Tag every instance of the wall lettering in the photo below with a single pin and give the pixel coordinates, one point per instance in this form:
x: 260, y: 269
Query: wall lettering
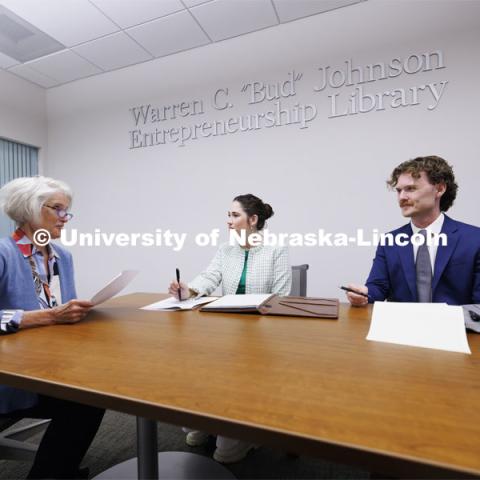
x: 342, y: 91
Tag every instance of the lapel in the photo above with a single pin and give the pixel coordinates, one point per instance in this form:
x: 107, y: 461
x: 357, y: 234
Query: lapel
x: 450, y: 227
x: 26, y: 274
x: 232, y: 269
x: 62, y: 270
x: 407, y: 261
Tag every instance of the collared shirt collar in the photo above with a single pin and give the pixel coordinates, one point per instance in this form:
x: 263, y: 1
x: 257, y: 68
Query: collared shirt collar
x: 26, y: 246
x: 435, y: 227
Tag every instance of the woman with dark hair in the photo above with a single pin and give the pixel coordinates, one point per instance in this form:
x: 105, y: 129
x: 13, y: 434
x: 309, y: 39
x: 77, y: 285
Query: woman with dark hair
x: 259, y: 269
x: 240, y: 270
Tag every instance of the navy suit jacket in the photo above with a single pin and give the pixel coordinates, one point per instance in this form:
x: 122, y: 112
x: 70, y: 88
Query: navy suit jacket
x: 456, y: 276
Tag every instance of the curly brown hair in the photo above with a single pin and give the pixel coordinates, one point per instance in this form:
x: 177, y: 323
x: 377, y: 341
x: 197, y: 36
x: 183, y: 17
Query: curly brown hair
x: 437, y: 170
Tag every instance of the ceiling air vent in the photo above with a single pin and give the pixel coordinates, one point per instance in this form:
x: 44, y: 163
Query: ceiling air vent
x: 21, y: 40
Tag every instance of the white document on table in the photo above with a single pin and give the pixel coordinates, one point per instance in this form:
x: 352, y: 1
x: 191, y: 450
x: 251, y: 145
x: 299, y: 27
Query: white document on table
x: 249, y: 300
x: 114, y: 286
x: 427, y: 325
x: 172, y: 304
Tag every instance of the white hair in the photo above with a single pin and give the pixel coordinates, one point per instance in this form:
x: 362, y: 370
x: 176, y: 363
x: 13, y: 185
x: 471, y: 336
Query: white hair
x: 22, y: 199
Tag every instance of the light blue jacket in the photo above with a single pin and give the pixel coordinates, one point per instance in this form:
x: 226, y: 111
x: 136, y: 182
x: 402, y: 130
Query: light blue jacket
x: 17, y: 292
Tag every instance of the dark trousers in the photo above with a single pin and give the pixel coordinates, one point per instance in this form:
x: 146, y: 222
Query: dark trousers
x: 67, y: 438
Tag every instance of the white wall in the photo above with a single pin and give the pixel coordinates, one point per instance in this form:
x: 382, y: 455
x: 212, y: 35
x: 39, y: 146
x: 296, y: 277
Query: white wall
x: 330, y: 175
x: 23, y: 115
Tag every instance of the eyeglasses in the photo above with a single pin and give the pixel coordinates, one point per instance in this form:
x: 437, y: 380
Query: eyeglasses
x: 61, y: 213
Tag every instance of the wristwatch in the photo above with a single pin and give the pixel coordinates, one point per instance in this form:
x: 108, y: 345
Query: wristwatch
x: 10, y: 321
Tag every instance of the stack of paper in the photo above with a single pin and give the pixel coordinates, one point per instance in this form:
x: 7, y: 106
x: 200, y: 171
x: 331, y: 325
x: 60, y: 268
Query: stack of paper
x: 238, y: 303
x: 172, y: 303
x: 428, y: 325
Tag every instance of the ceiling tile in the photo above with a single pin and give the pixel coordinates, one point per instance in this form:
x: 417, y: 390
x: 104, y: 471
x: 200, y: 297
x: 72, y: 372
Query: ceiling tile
x: 228, y: 18
x: 127, y: 13
x: 33, y: 76
x: 171, y: 34
x: 69, y: 21
x: 114, y: 51
x: 23, y: 41
x: 6, y: 61
x: 291, y: 10
x: 64, y: 66
x: 194, y: 3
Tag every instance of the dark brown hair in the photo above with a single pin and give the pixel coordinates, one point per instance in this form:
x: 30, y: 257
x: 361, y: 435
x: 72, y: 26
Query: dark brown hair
x: 252, y: 205
x: 437, y: 170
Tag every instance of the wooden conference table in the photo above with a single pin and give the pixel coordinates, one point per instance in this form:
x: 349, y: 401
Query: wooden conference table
x: 313, y: 387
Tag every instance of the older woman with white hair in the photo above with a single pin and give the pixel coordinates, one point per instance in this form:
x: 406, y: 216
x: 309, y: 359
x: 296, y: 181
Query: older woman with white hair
x: 37, y: 288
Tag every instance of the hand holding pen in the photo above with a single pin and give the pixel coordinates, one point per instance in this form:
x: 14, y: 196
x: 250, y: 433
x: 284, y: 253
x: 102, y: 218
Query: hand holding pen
x: 178, y: 289
x: 357, y: 294
x: 177, y: 270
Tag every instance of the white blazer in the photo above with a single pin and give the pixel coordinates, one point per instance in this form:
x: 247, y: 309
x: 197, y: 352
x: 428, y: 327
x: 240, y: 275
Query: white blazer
x: 268, y: 271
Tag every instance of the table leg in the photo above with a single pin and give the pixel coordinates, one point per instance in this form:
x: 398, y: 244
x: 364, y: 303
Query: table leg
x: 147, y: 449
x: 178, y: 465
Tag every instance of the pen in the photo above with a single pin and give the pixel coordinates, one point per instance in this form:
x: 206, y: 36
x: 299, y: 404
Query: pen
x: 179, y: 287
x: 474, y: 316
x: 354, y: 291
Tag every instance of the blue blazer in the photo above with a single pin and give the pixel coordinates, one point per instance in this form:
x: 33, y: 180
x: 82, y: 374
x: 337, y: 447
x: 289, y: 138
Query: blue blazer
x: 456, y: 277
x: 18, y: 292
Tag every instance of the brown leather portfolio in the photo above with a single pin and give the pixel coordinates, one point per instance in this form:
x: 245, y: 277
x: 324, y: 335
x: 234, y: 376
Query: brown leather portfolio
x: 301, y: 307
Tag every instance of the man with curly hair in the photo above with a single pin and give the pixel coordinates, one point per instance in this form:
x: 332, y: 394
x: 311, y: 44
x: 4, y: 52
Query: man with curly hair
x: 430, y: 272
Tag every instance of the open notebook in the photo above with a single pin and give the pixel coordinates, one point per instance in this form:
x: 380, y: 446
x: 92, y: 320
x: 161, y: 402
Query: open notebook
x: 238, y: 303
x: 274, y: 305
x: 172, y: 304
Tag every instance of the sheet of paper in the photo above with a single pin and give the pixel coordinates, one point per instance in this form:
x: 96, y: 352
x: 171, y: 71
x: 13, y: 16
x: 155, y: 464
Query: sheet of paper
x: 114, y: 286
x: 172, y: 303
x: 469, y: 323
x: 427, y: 325
x: 239, y: 301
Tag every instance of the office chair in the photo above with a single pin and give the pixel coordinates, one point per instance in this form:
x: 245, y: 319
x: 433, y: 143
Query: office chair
x: 13, y: 445
x: 299, y: 280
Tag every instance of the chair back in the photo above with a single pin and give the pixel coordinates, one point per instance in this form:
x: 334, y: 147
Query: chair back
x: 299, y: 280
